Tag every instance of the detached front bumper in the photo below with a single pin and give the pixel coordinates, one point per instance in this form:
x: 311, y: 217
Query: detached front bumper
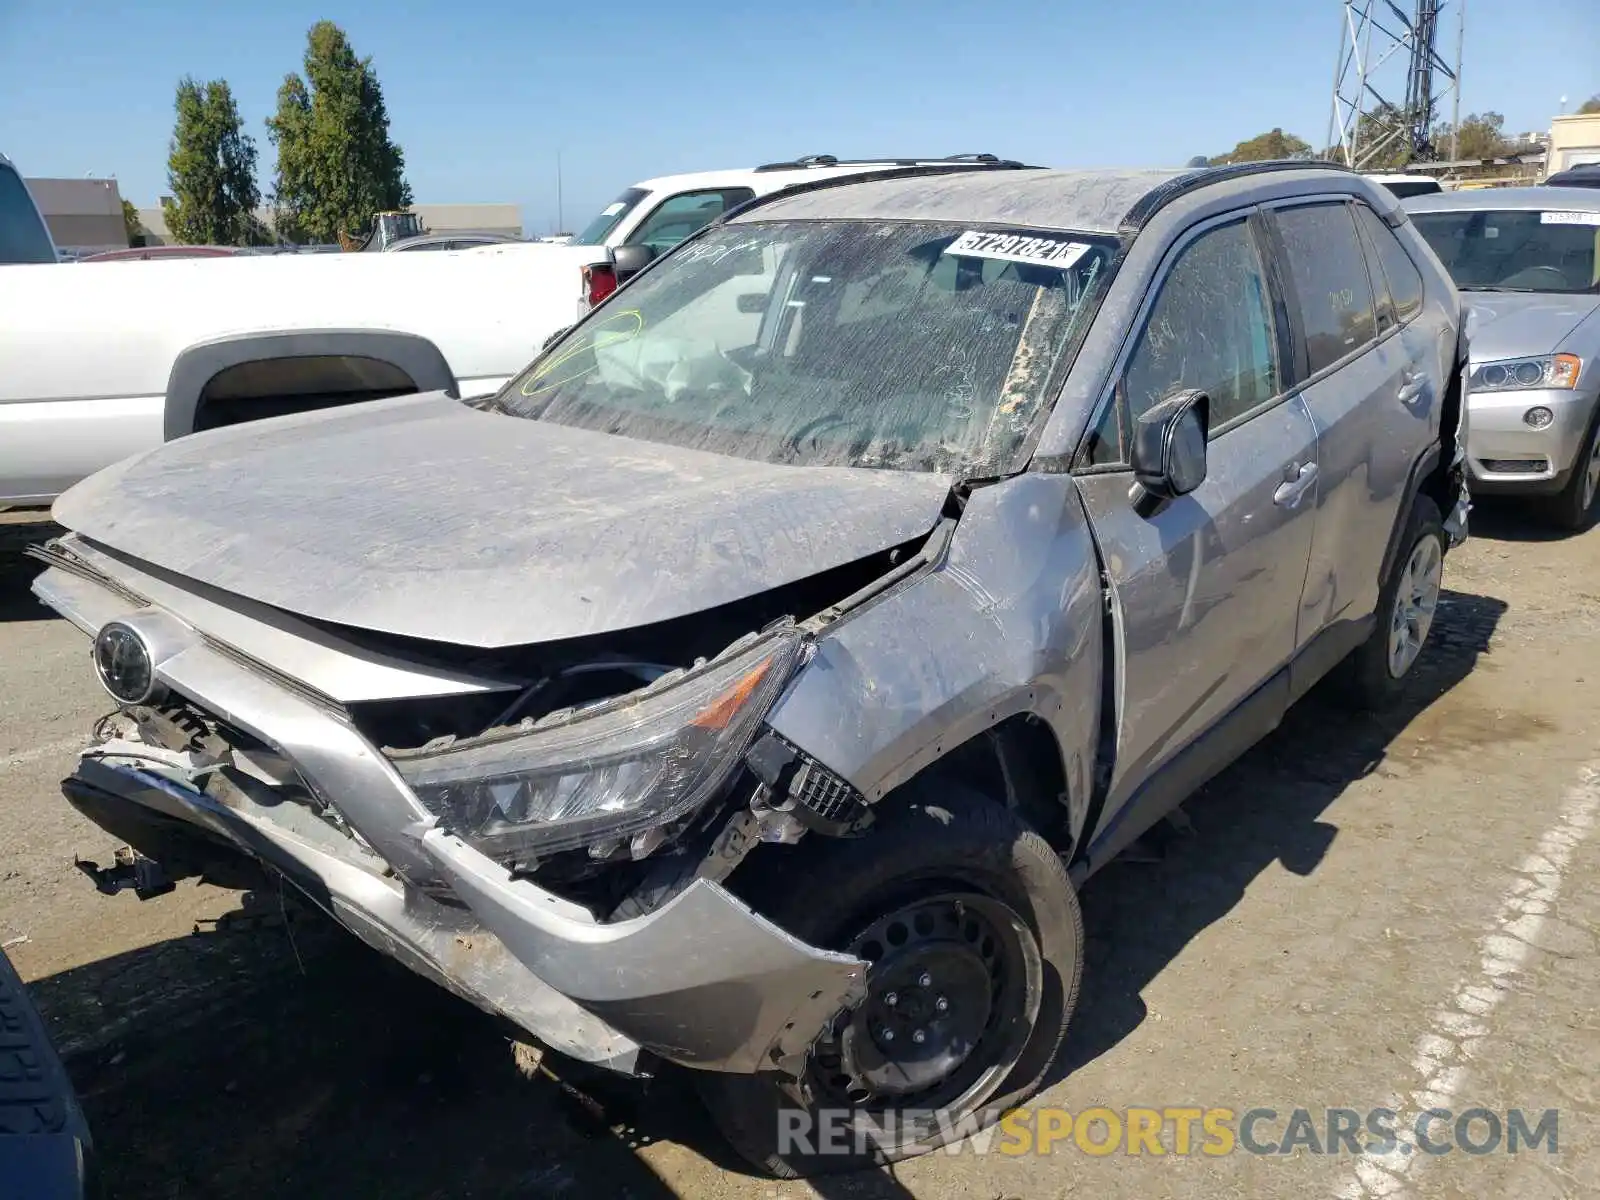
x: 703, y: 981
x: 1506, y: 455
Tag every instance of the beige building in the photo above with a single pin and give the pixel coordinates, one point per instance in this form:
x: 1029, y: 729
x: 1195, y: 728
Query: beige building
x: 436, y: 218
x: 471, y: 218
x: 83, y: 215
x: 1574, y: 141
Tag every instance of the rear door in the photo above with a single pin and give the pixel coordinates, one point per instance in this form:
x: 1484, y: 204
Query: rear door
x: 1370, y: 404
x: 1206, y: 589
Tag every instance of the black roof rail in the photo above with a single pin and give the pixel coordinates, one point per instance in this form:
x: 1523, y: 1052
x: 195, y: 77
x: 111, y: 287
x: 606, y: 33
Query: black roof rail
x: 914, y: 167
x: 828, y: 160
x: 1157, y: 198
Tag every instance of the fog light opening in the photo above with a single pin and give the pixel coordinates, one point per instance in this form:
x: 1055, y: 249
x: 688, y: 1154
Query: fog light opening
x: 1538, y: 417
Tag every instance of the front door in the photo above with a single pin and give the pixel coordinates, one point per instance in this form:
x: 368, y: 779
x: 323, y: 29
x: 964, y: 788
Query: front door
x: 1207, y: 589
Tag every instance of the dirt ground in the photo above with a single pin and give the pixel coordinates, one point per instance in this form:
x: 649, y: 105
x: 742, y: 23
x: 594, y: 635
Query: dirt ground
x: 1367, y: 912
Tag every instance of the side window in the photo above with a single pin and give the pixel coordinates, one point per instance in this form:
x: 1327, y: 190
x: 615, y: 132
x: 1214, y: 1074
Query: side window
x: 1383, y: 302
x: 676, y: 217
x: 1405, y: 281
x: 1209, y: 328
x: 1330, y: 281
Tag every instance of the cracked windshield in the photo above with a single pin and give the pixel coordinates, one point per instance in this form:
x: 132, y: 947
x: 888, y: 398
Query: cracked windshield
x: 906, y: 345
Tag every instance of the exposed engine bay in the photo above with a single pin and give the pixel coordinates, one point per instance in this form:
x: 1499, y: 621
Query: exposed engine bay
x: 611, y: 876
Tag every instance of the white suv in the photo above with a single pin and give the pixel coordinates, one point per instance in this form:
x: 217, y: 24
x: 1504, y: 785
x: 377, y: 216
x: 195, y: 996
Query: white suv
x: 660, y: 213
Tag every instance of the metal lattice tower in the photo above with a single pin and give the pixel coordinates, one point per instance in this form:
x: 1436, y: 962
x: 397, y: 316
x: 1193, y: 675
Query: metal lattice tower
x: 1377, y: 41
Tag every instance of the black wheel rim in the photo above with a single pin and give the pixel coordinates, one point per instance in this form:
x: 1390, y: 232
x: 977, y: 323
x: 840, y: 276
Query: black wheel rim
x: 953, y: 992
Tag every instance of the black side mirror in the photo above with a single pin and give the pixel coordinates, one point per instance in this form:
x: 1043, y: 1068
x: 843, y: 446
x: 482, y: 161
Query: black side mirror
x: 630, y: 260
x: 1169, y: 445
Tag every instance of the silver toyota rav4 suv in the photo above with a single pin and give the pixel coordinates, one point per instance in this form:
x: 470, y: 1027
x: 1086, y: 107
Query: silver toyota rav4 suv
x: 752, y: 682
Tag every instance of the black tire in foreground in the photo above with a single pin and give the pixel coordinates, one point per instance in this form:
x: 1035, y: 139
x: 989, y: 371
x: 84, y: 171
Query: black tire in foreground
x: 976, y: 944
x: 44, y: 1139
x: 1375, y: 673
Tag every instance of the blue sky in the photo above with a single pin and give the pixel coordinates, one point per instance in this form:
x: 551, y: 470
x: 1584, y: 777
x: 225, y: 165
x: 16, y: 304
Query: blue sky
x: 483, y: 96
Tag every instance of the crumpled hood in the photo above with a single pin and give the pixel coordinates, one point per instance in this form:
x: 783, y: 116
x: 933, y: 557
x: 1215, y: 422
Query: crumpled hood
x: 426, y: 518
x: 1518, y: 324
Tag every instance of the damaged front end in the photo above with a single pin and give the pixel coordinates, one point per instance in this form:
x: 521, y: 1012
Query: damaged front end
x: 562, y: 866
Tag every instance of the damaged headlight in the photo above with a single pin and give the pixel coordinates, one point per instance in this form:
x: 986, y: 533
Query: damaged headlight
x: 611, y: 770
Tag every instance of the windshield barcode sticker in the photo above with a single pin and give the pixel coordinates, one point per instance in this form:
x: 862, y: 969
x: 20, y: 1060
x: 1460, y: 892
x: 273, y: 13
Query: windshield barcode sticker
x: 1018, y: 248
x: 1569, y: 218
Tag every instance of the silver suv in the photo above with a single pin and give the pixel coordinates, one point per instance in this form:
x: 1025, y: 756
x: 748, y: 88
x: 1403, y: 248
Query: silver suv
x: 751, y: 683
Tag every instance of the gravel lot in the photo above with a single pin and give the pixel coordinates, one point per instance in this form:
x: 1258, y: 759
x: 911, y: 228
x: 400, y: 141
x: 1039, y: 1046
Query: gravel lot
x: 1367, y: 912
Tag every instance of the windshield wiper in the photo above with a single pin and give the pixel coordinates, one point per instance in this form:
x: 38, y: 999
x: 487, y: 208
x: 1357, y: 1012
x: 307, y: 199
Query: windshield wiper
x: 1488, y: 288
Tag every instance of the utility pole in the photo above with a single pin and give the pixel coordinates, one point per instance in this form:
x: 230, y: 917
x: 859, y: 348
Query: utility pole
x: 1455, y: 92
x: 1371, y: 34
x: 561, y: 219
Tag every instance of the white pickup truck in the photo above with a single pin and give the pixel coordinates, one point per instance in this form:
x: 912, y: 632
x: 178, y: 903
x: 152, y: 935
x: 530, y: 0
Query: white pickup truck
x: 100, y: 362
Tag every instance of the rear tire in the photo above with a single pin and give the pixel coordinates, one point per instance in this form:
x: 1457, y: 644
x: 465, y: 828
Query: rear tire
x: 1573, y: 509
x: 989, y: 960
x: 1375, y: 673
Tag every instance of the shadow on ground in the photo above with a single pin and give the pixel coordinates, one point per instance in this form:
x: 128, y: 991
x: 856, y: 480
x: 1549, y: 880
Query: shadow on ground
x: 1514, y: 519
x: 1267, y: 808
x: 245, y: 1063
x: 20, y: 528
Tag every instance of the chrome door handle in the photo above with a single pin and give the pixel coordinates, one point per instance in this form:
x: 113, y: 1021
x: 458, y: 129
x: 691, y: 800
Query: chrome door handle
x: 1290, y: 492
x: 1413, y: 387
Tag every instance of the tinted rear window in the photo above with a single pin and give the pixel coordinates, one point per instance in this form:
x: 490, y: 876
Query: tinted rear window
x: 1394, y: 265
x: 23, y: 237
x: 1330, y: 281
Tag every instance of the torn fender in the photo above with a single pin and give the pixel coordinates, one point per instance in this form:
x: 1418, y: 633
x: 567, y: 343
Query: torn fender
x: 1008, y: 623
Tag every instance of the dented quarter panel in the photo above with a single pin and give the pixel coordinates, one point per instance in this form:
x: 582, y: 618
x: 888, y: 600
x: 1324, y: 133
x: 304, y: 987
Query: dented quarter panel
x: 1008, y: 623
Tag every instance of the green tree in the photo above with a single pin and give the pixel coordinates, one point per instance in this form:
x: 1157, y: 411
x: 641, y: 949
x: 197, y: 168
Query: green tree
x: 336, y: 163
x: 1591, y: 105
x: 1382, y: 141
x: 211, y: 168
x: 1480, y: 137
x: 1266, y: 147
x: 131, y: 222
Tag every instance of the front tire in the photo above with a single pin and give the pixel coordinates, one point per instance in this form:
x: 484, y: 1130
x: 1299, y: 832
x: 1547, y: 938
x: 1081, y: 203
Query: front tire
x: 976, y: 943
x: 1573, y: 509
x: 1375, y: 673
